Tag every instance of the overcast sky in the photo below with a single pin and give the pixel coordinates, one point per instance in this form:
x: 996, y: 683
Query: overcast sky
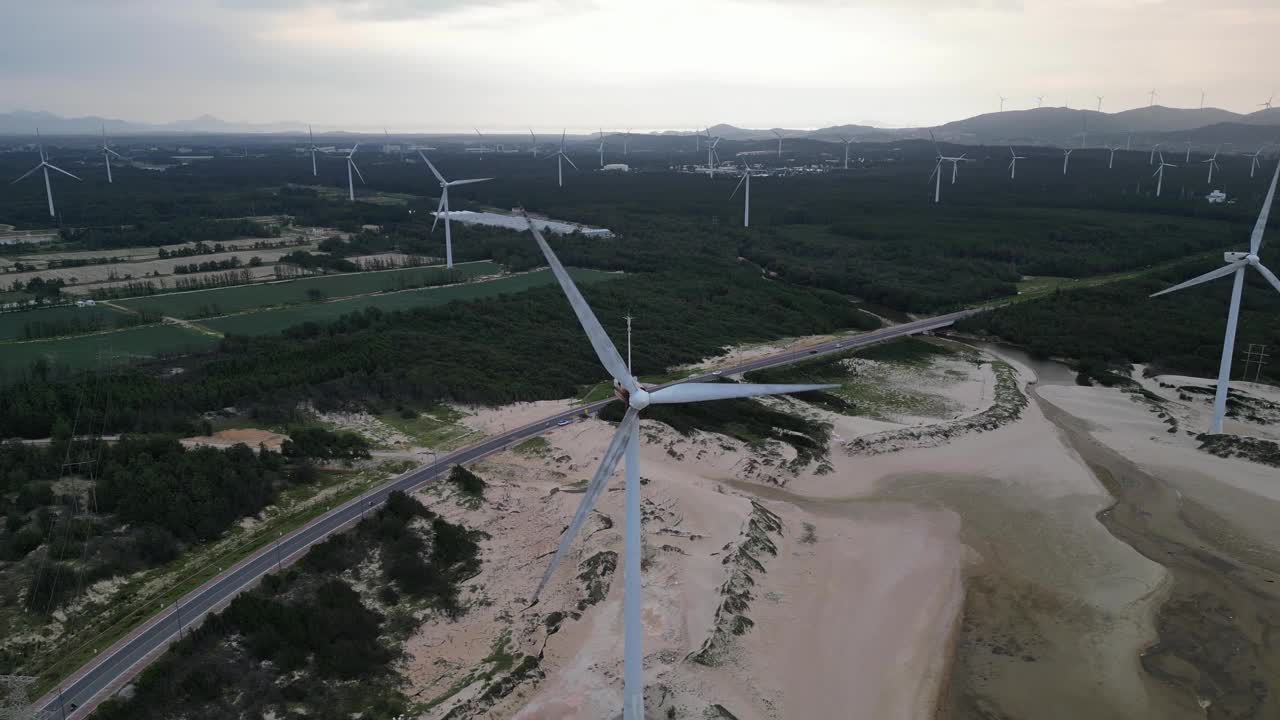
x: 643, y: 64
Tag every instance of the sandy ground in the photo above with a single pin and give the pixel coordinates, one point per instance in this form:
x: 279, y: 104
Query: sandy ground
x: 495, y: 420
x: 737, y: 355
x: 237, y: 436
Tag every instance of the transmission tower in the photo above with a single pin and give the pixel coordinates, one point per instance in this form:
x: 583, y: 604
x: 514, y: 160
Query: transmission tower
x: 1257, y: 355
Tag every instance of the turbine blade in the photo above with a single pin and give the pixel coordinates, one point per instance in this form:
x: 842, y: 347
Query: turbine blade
x: 699, y: 392
x: 64, y: 172
x: 468, y: 182
x: 356, y: 167
x: 439, y: 209
x: 608, y: 463
x: 28, y: 174
x: 433, y: 168
x: 604, y: 347
x: 1211, y: 275
x: 735, y: 189
x: 1270, y: 276
x: 113, y: 152
x: 1255, y: 240
x: 570, y: 161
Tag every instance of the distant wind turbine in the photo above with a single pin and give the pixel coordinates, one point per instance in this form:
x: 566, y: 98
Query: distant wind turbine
x: 846, y: 142
x: 1187, y: 159
x: 1213, y: 164
x: 399, y: 148
x: 1253, y: 161
x: 1013, y: 163
x: 936, y: 175
x: 1154, y: 149
x: 711, y: 154
x: 1153, y: 94
x: 351, y: 165
x: 1128, y: 142
x: 1002, y: 101
x: 626, y: 443
x: 1202, y: 99
x: 1237, y: 263
x: 1112, y: 161
x: 1039, y: 101
x: 601, y: 147
x: 313, y: 149
x: 1159, y: 174
x: 775, y: 132
x: 45, y: 166
x: 1267, y: 104
x: 1100, y: 103
x: 626, y: 141
x: 444, y: 207
x: 533, y: 144
x: 561, y: 157
x: 1066, y: 159
x: 107, y: 152
x: 746, y: 207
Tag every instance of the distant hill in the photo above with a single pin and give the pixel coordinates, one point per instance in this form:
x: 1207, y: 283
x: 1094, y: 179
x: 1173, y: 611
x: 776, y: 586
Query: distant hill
x: 25, y: 122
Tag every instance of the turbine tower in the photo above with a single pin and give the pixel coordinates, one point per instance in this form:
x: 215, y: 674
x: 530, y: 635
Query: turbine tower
x: 1111, y: 163
x: 561, y: 157
x: 746, y: 207
x: 1100, y: 103
x: 1187, y: 159
x: 775, y: 132
x: 1159, y: 174
x: 351, y: 165
x: 1066, y: 159
x: 937, y: 168
x: 1002, y: 101
x: 1213, y: 163
x: 107, y: 152
x: 1236, y: 264
x: 626, y: 142
x: 1153, y: 95
x: 45, y: 166
x: 1154, y: 149
x: 1039, y: 101
x: 1013, y: 163
x: 626, y: 442
x: 533, y: 144
x: 444, y: 207
x: 711, y: 155
x: 601, y: 147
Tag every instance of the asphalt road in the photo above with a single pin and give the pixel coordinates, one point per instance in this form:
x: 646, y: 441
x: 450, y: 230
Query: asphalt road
x: 115, y: 666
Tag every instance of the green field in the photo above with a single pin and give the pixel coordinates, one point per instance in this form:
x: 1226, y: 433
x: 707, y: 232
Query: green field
x: 13, y: 323
x: 273, y: 321
x: 93, y: 350
x: 223, y: 301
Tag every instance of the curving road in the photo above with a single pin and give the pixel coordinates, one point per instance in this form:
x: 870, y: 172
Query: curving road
x: 94, y: 682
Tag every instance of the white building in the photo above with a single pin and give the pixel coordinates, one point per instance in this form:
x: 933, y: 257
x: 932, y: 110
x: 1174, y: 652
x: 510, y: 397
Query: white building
x: 1217, y: 197
x: 616, y: 167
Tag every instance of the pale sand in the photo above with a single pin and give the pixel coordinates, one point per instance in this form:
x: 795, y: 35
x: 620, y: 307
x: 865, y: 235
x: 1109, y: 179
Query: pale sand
x: 238, y: 436
x: 493, y: 421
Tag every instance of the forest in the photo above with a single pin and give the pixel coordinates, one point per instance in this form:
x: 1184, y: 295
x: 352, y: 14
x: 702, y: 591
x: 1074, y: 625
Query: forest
x: 308, y: 642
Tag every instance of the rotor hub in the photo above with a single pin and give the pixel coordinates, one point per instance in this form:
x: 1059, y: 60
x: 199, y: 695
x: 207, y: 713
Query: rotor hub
x: 1252, y: 258
x: 639, y: 399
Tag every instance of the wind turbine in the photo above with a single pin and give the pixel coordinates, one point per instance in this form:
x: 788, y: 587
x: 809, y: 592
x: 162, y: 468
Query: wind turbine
x: 775, y: 132
x: 846, y: 142
x: 1002, y: 100
x: 1153, y: 95
x: 626, y: 442
x: 45, y: 166
x: 601, y: 147
x: 399, y: 150
x: 560, y: 157
x: 1039, y: 101
x: 711, y: 154
x: 1267, y: 104
x: 1100, y: 103
x: 937, y: 168
x: 1066, y: 159
x: 107, y: 152
x: 1111, y: 163
x: 1187, y: 159
x: 1253, y: 161
x: 1213, y: 163
x: 626, y: 141
x: 533, y: 144
x: 1013, y: 163
x: 1159, y: 173
x: 1154, y: 148
x: 313, y: 148
x: 1237, y: 263
x: 1202, y: 99
x: 351, y: 165
x: 746, y: 208
x: 444, y: 207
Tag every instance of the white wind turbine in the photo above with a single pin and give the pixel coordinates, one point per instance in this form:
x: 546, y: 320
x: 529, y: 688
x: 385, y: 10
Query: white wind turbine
x: 1002, y: 101
x: 746, y: 207
x: 1039, y: 101
x: 1159, y: 174
x: 45, y: 166
x: 775, y: 132
x: 626, y: 442
x: 351, y: 165
x: 1237, y: 263
x: 561, y: 157
x: 1013, y: 163
x: 1213, y: 163
x: 937, y: 168
x: 313, y: 149
x: 1154, y: 148
x: 444, y: 207
x: 107, y: 152
x: 601, y: 147
x: 846, y: 142
x: 1253, y: 161
x: 533, y: 144
x: 1111, y: 163
x: 626, y: 141
x: 1100, y: 102
x: 1153, y: 95
x: 712, y: 158
x: 1187, y: 159
x: 1267, y: 104
x: 1066, y: 159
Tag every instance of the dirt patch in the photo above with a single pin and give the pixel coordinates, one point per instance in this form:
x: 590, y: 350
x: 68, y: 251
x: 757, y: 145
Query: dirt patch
x: 239, y: 436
